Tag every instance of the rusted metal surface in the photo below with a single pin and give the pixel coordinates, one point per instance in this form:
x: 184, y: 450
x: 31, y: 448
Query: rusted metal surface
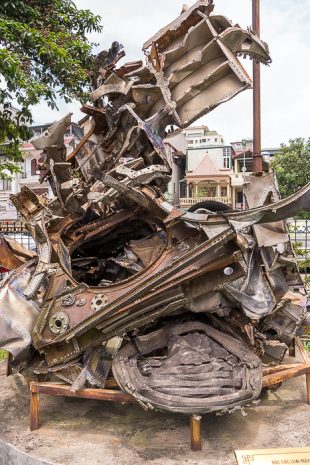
x: 13, y: 254
x: 183, y: 306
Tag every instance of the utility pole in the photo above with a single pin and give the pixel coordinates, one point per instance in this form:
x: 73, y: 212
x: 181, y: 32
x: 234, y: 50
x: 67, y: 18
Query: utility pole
x: 257, y: 151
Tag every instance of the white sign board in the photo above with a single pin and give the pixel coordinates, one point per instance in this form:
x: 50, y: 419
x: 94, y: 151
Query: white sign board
x: 274, y: 457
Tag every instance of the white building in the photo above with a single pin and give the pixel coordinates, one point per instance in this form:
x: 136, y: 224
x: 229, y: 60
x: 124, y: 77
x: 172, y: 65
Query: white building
x: 208, y: 168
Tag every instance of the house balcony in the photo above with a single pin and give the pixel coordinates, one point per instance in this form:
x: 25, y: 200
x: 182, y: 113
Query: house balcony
x: 238, y: 179
x: 187, y: 202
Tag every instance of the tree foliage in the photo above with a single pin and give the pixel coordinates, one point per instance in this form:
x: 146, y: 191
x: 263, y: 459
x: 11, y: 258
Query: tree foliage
x: 44, y: 53
x: 292, y: 166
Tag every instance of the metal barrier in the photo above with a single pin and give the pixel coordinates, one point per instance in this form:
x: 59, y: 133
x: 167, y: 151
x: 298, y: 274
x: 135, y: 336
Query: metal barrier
x: 300, y: 236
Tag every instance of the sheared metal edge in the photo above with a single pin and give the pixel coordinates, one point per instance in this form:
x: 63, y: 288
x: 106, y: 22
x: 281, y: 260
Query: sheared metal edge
x: 277, y: 211
x: 54, y: 135
x: 13, y: 254
x: 119, y: 87
x: 179, y: 21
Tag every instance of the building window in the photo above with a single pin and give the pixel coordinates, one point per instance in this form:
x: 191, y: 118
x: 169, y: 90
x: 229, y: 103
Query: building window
x: 34, y: 167
x: 203, y: 140
x: 223, y: 189
x: 215, y: 139
x: 190, y: 141
x: 227, y: 158
x: 207, y: 189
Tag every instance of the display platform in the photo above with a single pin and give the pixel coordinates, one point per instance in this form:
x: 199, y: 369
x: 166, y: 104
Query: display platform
x: 81, y: 431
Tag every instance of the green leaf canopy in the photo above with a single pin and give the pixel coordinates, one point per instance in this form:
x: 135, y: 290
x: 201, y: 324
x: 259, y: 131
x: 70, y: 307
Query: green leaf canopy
x: 44, y: 54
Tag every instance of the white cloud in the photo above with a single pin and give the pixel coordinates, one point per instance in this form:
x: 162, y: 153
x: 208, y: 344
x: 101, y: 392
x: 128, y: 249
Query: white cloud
x: 285, y: 84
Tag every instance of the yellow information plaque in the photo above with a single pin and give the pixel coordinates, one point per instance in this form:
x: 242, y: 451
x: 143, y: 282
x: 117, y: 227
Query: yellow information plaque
x: 273, y: 457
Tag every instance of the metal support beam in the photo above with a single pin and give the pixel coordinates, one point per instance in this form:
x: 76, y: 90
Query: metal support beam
x: 257, y: 152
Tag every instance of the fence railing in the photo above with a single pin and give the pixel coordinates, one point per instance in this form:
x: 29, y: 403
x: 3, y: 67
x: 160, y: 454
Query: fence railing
x: 300, y: 236
x: 299, y: 233
x: 186, y: 202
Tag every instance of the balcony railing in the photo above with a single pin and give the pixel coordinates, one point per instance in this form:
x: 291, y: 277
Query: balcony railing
x: 186, y: 202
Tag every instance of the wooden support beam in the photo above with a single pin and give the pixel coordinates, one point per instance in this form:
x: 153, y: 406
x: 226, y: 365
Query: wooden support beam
x: 63, y: 390
x: 284, y: 375
x: 195, y: 426
x: 303, y: 352
x: 275, y: 369
x: 34, y: 410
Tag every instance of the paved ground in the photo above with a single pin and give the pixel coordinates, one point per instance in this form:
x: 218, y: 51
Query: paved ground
x: 83, y: 432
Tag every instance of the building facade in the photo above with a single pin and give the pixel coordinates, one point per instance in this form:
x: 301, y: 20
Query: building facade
x: 208, y: 168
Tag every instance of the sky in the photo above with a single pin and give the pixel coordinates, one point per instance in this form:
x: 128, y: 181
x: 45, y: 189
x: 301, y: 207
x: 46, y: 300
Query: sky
x: 285, y: 26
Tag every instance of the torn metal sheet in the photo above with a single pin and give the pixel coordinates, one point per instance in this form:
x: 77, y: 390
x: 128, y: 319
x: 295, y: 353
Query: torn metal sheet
x: 53, y: 136
x: 13, y: 254
x: 183, y: 306
x: 17, y: 315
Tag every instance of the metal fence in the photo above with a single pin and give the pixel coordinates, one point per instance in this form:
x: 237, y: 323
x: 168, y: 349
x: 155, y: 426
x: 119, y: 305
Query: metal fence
x: 300, y: 236
x: 299, y: 232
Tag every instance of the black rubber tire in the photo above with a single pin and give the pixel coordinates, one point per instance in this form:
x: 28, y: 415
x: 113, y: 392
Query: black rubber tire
x: 211, y: 205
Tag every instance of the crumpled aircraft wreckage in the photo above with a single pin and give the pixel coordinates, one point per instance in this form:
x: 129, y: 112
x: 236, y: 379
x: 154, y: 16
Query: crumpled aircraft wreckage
x: 183, y: 307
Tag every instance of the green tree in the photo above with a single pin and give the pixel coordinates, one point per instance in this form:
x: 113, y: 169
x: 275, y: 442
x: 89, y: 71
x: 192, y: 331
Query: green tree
x: 292, y: 166
x: 44, y: 53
